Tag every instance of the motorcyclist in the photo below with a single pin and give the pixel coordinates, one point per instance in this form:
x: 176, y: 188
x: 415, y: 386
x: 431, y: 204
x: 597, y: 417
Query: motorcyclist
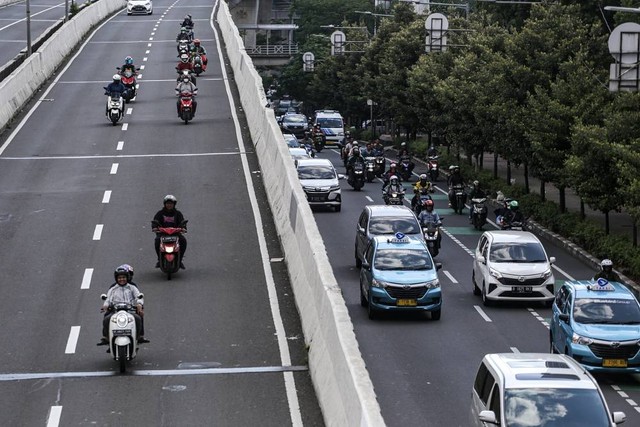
x: 355, y: 158
x: 317, y: 133
x: 128, y: 65
x: 386, y: 178
x: 115, y: 86
x: 346, y: 149
x: 432, y: 152
x: 394, y: 186
x: 454, y: 179
x: 186, y: 85
x: 607, y: 272
x: 405, y: 154
x: 421, y: 187
x: 187, y: 22
x: 429, y: 215
x: 366, y: 151
x: 307, y: 143
x: 128, y: 293
x: 346, y: 138
x: 183, y: 35
x: 512, y: 214
x: 378, y: 148
x: 475, y: 193
x: 169, y: 216
x: 185, y: 64
x: 198, y: 49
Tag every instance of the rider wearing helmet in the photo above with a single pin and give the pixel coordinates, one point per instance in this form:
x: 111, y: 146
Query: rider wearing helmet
x: 125, y: 292
x: 454, y: 179
x: 512, y: 213
x: 187, y: 22
x: 183, y: 35
x: 607, y: 272
x: 115, y: 86
x: 129, y: 270
x: 394, y: 186
x: 429, y: 215
x: 432, y: 152
x: 185, y: 64
x: 355, y: 157
x: 185, y: 85
x: 169, y: 216
x: 386, y: 178
x: 475, y: 193
x: 405, y: 154
x: 421, y: 187
x: 128, y: 65
x: 198, y: 49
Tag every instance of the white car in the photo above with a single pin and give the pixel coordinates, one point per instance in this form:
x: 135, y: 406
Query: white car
x: 139, y: 7
x: 320, y: 182
x: 512, y: 266
x: 299, y: 153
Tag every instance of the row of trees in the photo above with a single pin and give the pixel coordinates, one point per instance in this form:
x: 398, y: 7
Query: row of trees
x: 526, y: 82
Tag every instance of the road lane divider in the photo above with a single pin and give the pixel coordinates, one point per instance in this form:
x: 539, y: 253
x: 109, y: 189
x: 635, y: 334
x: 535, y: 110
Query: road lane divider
x: 86, y: 278
x: 72, y: 342
x: 107, y: 196
x: 97, y: 232
x: 450, y: 277
x: 114, y: 169
x: 120, y: 146
x: 482, y: 313
x: 54, y: 416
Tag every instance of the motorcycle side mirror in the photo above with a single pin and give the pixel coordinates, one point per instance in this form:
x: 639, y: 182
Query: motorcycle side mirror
x: 340, y: 176
x: 117, y: 68
x: 438, y: 265
x: 103, y: 297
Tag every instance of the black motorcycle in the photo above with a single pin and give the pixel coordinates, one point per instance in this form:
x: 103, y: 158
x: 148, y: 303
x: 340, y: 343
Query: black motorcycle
x: 479, y: 212
x: 431, y: 232
x: 370, y: 166
x: 379, y: 166
x: 457, y: 198
x: 356, y: 176
x: 393, y: 197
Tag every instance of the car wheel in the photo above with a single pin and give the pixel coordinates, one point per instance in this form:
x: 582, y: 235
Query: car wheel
x: 363, y: 300
x: 358, y: 260
x: 435, y: 315
x: 476, y: 290
x: 373, y: 314
x: 485, y: 301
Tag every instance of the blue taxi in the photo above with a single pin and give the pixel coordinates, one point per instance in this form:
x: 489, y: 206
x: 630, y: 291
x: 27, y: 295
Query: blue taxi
x: 398, y: 274
x: 598, y: 324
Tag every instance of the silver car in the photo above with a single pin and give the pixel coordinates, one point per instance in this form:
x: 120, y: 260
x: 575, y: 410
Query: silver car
x: 320, y: 182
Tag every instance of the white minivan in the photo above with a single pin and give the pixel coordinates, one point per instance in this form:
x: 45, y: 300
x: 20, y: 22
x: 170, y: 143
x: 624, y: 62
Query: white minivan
x: 332, y: 125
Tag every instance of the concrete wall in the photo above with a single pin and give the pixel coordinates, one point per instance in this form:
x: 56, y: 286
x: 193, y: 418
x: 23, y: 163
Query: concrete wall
x: 21, y: 84
x: 341, y: 380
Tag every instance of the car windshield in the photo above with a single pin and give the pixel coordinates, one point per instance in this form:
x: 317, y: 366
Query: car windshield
x: 543, y: 407
x: 296, y: 119
x: 381, y: 225
x: 517, y: 252
x: 402, y: 259
x: 316, y: 172
x: 606, y: 310
x: 329, y: 123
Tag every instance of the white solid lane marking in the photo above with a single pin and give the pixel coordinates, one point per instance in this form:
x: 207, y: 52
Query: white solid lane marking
x: 54, y: 416
x: 482, y: 313
x: 107, y: 196
x: 564, y: 273
x: 86, y: 278
x: 369, y: 198
x: 129, y: 110
x: 120, y: 145
x: 97, y: 233
x: 114, y: 169
x: 73, y: 340
x: 285, y: 356
x: 515, y: 350
x: 446, y: 273
x: 125, y: 126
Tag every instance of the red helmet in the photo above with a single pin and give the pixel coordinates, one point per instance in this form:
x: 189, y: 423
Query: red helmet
x: 196, y: 42
x: 428, y: 204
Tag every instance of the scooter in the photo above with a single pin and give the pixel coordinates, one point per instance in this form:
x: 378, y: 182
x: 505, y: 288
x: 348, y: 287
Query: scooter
x: 432, y: 165
x: 170, y: 247
x: 318, y: 142
x: 459, y: 198
x: 198, y: 67
x: 371, y: 168
x: 186, y: 106
x: 479, y: 213
x: 421, y: 202
x: 185, y: 72
x: 183, y: 47
x: 393, y: 198
x: 405, y: 169
x: 115, y: 107
x: 431, y: 232
x: 123, y: 334
x: 129, y: 81
x: 356, y: 176
x: 379, y: 166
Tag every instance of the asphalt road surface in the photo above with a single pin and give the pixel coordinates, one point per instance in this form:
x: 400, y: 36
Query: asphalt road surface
x: 423, y: 370
x: 76, y: 199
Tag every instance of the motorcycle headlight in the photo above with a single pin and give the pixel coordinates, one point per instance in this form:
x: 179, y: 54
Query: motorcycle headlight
x: 495, y: 273
x: 379, y: 283
x: 578, y: 339
x: 121, y: 319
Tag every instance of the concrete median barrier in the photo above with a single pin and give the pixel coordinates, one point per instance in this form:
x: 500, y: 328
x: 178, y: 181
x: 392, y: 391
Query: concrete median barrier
x: 17, y: 88
x: 340, y: 378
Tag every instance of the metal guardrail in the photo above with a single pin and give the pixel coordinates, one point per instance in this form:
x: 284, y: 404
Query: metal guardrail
x: 273, y: 50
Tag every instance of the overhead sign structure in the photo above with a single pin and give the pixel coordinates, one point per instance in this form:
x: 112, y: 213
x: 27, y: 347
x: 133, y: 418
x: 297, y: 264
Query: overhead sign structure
x: 624, y: 46
x: 338, y: 41
x: 308, y: 62
x: 437, y: 26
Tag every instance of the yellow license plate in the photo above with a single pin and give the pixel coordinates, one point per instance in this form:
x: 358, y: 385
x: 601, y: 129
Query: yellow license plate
x: 614, y: 363
x: 406, y: 303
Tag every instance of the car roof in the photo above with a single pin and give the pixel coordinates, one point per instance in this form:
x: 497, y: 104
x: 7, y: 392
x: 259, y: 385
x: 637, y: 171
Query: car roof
x: 289, y: 136
x: 511, y: 236
x: 591, y: 289
x: 540, y: 370
x: 298, y: 151
x: 389, y: 210
x: 314, y: 162
x: 387, y: 242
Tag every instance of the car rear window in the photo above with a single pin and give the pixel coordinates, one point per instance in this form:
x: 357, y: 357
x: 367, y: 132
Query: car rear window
x: 391, y: 225
x: 517, y: 252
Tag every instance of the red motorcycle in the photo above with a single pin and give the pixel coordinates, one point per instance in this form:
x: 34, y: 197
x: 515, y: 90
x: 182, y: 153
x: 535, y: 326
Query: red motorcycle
x: 186, y: 106
x: 170, y: 256
x: 128, y: 79
x: 434, y: 171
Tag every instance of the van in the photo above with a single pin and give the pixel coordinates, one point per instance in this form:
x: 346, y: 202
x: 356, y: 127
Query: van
x: 332, y: 125
x: 525, y: 389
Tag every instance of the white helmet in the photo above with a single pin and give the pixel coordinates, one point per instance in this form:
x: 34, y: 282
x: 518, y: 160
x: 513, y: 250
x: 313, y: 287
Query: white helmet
x: 116, y: 77
x: 170, y: 198
x: 393, y: 178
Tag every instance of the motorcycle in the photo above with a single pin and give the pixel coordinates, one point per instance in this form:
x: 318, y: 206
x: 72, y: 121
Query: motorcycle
x: 170, y: 247
x: 129, y: 81
x: 421, y: 203
x: 379, y: 166
x: 405, y: 168
x: 432, y: 165
x: 318, y: 142
x: 356, y: 176
x: 185, y: 72
x: 511, y: 225
x: 186, y: 106
x: 371, y: 168
x: 431, y: 232
x: 458, y: 199
x: 115, y: 107
x: 198, y: 66
x: 393, y: 198
x: 123, y: 334
x: 183, y: 47
x: 479, y: 212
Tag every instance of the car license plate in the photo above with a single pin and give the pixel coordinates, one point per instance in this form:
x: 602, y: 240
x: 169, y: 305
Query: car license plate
x: 317, y: 198
x: 121, y: 332
x: 521, y: 289
x: 614, y: 363
x: 403, y: 302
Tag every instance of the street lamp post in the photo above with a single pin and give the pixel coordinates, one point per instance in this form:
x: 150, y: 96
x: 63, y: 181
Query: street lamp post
x: 375, y: 16
x: 28, y: 29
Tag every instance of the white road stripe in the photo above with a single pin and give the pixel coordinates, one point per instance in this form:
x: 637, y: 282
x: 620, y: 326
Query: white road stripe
x: 446, y: 273
x: 145, y: 59
x: 149, y: 44
x: 515, y: 350
x: 107, y: 196
x: 129, y: 110
x: 114, y: 169
x: 120, y: 145
x: 564, y: 273
x: 86, y: 278
x: 369, y: 198
x: 153, y: 33
x: 147, y: 52
x: 125, y: 126
x: 482, y: 313
x: 142, y: 67
x: 54, y: 416
x: 150, y: 38
x: 97, y: 233
x: 123, y: 156
x: 73, y: 340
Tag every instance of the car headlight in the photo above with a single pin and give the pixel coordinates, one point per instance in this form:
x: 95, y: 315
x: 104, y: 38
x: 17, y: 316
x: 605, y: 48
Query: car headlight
x: 325, y: 188
x: 379, y: 283
x: 495, y: 273
x: 547, y: 274
x: 336, y: 188
x: 579, y: 339
x: 434, y: 284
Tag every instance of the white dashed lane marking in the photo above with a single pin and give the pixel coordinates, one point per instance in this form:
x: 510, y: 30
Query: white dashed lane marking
x: 97, y: 233
x: 482, y: 313
x: 446, y: 273
x: 86, y: 278
x: 73, y: 340
x: 125, y: 126
x: 54, y: 416
x: 120, y: 145
x: 107, y: 196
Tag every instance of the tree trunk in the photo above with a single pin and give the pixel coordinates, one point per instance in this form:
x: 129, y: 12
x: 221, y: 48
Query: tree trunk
x: 495, y: 165
x: 482, y: 160
x: 526, y: 178
x: 508, y: 172
x: 582, y: 213
x: 635, y: 234
x: 563, y: 200
x: 606, y: 222
x: 543, y: 192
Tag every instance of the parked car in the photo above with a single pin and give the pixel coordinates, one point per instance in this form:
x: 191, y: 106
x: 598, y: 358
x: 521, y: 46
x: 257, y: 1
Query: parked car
x: 598, y: 324
x: 512, y: 265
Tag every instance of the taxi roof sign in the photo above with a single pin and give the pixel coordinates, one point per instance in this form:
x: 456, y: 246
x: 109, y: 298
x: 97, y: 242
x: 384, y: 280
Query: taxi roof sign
x: 601, y: 284
x: 399, y: 238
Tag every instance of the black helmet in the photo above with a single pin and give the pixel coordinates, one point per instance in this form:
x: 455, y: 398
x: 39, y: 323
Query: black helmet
x: 128, y: 268
x: 121, y: 271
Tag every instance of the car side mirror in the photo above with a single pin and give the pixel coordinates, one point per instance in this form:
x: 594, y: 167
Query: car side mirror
x: 488, y: 417
x: 438, y: 265
x: 619, y: 417
x: 564, y: 317
x: 552, y: 260
x: 103, y: 297
x: 340, y: 176
x: 366, y: 265
x: 481, y: 259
